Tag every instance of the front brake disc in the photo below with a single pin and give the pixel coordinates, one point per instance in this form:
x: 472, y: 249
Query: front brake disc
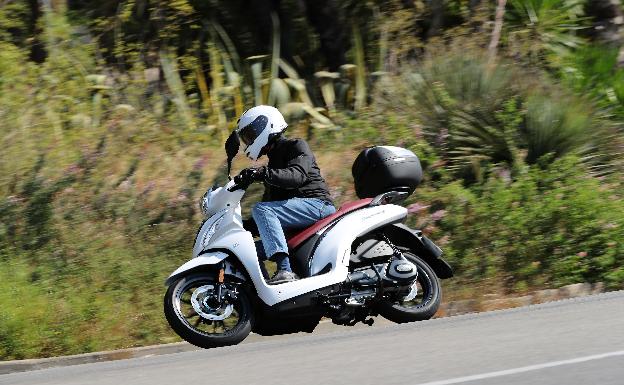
x: 200, y: 299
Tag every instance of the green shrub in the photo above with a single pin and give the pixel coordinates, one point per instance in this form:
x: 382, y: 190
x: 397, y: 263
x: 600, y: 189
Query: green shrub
x: 556, y: 126
x: 460, y: 104
x: 544, y: 30
x: 594, y: 70
x: 480, y: 116
x: 552, y: 226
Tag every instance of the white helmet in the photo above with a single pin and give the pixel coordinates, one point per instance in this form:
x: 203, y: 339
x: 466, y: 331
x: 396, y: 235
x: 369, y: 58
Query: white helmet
x: 256, y: 126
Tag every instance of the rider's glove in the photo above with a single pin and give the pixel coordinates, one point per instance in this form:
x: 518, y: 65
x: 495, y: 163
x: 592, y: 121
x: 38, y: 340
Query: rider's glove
x: 249, y: 175
x: 259, y: 174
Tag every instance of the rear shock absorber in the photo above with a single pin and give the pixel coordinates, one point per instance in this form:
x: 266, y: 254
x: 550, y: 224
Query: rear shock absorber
x: 395, y: 250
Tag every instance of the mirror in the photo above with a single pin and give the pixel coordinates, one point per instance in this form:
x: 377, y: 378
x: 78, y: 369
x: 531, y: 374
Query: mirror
x: 232, y: 144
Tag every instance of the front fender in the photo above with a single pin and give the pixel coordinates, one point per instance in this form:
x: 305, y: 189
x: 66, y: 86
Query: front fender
x: 402, y: 235
x: 203, y: 261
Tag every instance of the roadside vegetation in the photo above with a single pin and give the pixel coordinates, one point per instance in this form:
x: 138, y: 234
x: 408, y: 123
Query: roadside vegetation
x: 113, y: 116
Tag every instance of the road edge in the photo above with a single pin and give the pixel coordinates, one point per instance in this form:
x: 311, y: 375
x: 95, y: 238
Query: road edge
x: 447, y: 309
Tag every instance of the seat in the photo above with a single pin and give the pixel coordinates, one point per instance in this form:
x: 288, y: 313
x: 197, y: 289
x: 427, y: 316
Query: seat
x: 298, y: 238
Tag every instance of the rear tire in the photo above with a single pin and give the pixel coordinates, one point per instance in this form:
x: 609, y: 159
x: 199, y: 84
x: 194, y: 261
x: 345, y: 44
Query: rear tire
x: 425, y: 305
x: 196, y: 329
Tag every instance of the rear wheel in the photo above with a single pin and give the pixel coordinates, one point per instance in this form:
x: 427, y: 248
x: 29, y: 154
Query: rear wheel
x: 421, y: 303
x: 195, y: 315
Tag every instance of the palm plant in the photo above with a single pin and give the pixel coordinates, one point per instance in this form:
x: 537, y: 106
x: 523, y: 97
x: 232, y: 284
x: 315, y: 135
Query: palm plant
x: 479, y: 137
x: 594, y: 71
x: 555, y: 126
x: 458, y: 101
x: 540, y: 28
x: 480, y: 116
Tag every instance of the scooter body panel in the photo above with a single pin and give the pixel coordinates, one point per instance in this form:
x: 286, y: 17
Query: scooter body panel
x: 333, y: 248
x: 207, y: 259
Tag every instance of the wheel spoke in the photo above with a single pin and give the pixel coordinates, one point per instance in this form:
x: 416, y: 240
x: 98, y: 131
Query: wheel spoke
x: 193, y: 320
x: 192, y: 314
x: 230, y: 322
x: 422, y: 296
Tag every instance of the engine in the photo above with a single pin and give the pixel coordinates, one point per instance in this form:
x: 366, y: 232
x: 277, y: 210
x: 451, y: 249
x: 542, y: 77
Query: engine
x: 377, y: 273
x: 376, y: 260
x: 402, y: 271
x: 366, y: 282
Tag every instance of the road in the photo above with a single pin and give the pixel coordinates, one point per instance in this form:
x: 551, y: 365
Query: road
x: 572, y: 342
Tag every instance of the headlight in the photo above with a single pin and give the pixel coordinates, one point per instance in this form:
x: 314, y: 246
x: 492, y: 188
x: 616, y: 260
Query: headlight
x: 205, y: 202
x: 210, y: 232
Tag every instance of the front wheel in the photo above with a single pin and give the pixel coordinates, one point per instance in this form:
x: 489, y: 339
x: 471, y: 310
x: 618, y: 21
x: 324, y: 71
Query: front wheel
x: 194, y: 313
x: 423, y: 300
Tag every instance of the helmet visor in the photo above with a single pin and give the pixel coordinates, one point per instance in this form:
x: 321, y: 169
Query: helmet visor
x: 250, y: 132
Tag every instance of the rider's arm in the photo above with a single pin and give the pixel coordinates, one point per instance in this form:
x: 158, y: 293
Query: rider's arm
x: 295, y: 173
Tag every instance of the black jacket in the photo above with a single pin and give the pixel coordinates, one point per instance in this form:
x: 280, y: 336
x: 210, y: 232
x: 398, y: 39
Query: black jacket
x: 292, y: 172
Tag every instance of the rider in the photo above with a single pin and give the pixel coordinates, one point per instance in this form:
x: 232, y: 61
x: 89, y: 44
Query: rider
x: 295, y: 194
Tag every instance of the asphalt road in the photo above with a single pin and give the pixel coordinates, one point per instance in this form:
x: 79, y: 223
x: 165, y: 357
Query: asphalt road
x: 572, y: 342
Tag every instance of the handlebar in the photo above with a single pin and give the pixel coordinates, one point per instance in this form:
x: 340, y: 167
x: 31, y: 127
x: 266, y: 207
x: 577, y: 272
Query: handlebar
x: 235, y: 187
x: 243, y: 180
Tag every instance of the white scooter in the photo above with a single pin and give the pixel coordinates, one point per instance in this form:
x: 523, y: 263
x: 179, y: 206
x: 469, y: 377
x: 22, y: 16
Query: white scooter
x: 359, y: 262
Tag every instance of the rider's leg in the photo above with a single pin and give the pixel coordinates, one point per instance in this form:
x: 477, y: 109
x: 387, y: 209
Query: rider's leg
x: 273, y: 217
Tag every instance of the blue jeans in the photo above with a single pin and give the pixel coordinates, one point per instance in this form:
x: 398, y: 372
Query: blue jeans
x: 272, y: 218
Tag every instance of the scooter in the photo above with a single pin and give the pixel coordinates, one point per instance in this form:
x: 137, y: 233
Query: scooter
x: 354, y: 265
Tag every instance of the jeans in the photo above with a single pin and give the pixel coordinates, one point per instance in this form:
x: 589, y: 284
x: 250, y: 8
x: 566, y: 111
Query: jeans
x: 272, y: 218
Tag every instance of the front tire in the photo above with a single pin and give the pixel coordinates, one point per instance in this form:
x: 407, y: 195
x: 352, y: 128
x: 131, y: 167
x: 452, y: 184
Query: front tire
x: 424, y: 305
x: 195, y: 328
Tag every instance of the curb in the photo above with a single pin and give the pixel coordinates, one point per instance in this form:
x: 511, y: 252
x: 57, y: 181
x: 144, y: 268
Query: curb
x: 7, y: 367
x: 447, y: 309
x: 575, y: 290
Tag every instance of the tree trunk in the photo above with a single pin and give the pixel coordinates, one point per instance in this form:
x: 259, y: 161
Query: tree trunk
x: 472, y: 5
x: 37, y: 50
x: 496, y: 33
x: 437, y: 17
x: 328, y: 19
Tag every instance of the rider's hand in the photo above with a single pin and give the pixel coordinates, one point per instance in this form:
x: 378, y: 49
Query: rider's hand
x: 249, y: 175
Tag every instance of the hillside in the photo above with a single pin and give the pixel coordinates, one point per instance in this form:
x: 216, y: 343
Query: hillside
x: 113, y: 116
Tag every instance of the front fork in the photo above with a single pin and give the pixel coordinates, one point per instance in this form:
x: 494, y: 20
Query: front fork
x: 220, y: 280
x: 224, y: 294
